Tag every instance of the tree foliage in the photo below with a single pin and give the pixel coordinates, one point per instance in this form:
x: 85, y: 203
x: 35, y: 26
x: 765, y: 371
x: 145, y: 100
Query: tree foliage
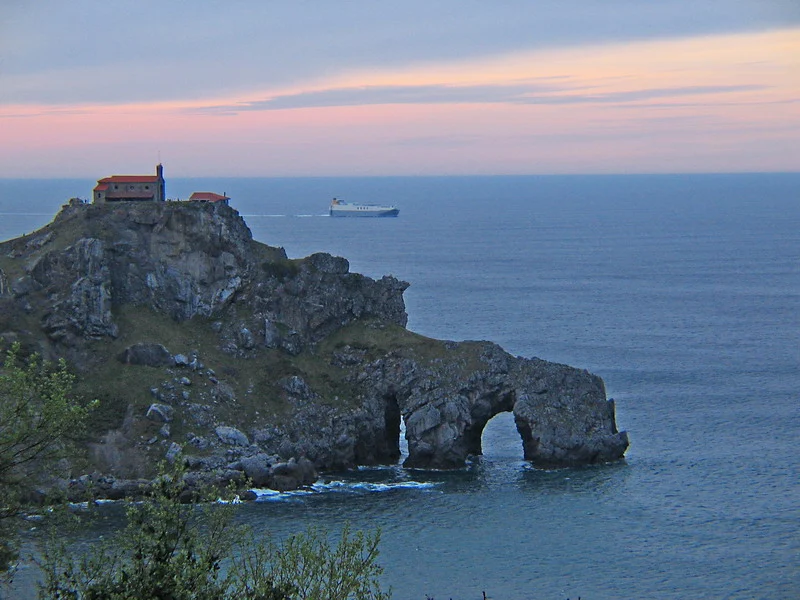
x: 38, y: 416
x: 314, y: 569
x: 175, y: 551
x: 168, y: 550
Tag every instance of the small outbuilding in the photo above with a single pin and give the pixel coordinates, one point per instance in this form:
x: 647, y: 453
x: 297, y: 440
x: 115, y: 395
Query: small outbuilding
x: 209, y: 197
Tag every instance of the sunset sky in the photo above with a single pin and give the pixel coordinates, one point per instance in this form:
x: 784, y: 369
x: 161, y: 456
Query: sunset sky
x: 304, y: 88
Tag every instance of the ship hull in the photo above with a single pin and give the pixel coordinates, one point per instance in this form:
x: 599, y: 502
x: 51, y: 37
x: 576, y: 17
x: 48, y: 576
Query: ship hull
x: 371, y: 212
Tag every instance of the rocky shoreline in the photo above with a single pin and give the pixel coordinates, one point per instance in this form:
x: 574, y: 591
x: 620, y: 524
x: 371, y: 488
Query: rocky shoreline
x: 263, y: 370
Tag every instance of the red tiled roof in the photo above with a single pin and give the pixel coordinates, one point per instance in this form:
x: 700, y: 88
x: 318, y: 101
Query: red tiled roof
x: 101, y: 187
x: 207, y: 197
x: 129, y: 179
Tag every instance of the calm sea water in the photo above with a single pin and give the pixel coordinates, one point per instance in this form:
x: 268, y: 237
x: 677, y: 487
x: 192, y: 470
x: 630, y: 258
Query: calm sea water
x: 682, y: 292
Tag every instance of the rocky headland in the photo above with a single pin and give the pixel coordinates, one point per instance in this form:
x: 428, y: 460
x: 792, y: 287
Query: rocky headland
x: 263, y: 369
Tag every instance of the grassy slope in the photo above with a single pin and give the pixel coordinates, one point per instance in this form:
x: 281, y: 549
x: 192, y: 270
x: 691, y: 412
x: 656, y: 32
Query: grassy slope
x: 256, y: 399
x: 259, y: 399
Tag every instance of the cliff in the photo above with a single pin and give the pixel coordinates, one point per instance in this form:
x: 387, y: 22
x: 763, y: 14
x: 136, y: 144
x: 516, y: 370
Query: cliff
x: 193, y: 334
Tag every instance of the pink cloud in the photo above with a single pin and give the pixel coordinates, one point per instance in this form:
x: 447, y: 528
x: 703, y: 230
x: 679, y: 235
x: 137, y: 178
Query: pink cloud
x: 725, y: 103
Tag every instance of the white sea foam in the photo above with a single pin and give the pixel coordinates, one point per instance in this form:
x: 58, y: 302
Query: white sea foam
x: 236, y: 500
x: 339, y: 486
x: 263, y: 216
x: 268, y: 495
x: 348, y: 486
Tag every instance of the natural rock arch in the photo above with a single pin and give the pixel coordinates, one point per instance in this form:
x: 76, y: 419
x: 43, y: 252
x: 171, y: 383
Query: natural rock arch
x: 561, y: 413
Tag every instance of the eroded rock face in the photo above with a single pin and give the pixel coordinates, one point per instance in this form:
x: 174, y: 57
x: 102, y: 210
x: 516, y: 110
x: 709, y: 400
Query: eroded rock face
x: 561, y: 413
x: 82, y: 310
x: 188, y: 260
x: 320, y: 296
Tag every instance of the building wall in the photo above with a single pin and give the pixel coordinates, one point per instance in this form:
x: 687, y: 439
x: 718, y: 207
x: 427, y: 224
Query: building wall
x: 134, y: 191
x: 143, y: 190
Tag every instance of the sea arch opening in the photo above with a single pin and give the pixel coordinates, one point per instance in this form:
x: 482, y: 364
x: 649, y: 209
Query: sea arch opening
x: 494, y: 431
x: 500, y: 438
x: 394, y: 426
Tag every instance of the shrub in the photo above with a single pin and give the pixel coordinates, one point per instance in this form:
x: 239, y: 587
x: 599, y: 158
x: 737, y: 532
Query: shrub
x: 194, y: 551
x: 38, y: 417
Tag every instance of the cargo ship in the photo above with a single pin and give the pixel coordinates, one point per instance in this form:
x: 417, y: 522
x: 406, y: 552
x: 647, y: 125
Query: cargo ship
x: 348, y: 209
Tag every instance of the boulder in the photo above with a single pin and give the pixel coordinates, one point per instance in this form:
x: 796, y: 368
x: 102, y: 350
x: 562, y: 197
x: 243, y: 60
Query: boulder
x: 5, y: 287
x: 128, y: 488
x: 231, y: 436
x: 294, y: 473
x: 258, y: 469
x: 173, y: 452
x: 246, y: 339
x: 150, y: 355
x: 295, y: 386
x: 272, y: 336
x: 160, y: 412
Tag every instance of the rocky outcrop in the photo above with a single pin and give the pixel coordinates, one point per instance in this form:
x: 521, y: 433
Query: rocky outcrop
x: 561, y: 413
x: 322, y: 296
x: 152, y: 355
x: 187, y: 260
x: 305, y: 365
x: 84, y: 308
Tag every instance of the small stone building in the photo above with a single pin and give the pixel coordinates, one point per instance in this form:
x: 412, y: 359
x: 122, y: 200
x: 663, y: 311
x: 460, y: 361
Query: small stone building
x: 208, y: 197
x: 131, y: 188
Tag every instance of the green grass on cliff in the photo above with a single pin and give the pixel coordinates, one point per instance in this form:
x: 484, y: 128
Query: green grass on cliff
x: 258, y: 399
x: 379, y: 338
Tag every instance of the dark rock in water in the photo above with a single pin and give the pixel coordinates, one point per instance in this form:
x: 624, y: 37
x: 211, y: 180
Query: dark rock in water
x: 258, y: 469
x: 301, y: 356
x: 301, y: 470
x: 293, y: 474
x: 249, y: 496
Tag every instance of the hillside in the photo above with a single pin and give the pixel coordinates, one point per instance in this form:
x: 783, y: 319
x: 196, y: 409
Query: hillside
x: 192, y: 335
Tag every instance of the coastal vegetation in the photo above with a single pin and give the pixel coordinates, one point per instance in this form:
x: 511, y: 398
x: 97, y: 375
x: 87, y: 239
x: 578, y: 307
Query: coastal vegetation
x: 180, y: 550
x: 173, y: 545
x: 39, y: 419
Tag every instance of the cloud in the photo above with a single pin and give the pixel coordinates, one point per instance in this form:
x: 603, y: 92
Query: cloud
x: 87, y: 51
x: 530, y: 93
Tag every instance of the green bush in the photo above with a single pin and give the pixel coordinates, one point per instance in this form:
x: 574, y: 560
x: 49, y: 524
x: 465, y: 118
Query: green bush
x: 38, y: 417
x: 175, y: 551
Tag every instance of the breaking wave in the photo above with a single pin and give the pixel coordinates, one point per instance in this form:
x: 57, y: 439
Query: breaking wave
x: 341, y: 486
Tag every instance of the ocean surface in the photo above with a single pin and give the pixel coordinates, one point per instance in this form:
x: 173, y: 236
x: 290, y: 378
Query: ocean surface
x: 682, y: 292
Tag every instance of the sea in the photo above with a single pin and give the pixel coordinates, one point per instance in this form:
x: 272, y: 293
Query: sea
x: 681, y: 291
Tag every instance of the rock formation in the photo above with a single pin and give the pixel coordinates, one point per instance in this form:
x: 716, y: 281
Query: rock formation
x: 194, y: 335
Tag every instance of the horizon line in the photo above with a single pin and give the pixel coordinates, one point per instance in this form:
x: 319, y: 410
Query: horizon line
x: 430, y: 176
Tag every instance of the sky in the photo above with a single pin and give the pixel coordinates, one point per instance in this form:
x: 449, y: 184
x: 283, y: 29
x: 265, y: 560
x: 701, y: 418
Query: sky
x: 90, y: 88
